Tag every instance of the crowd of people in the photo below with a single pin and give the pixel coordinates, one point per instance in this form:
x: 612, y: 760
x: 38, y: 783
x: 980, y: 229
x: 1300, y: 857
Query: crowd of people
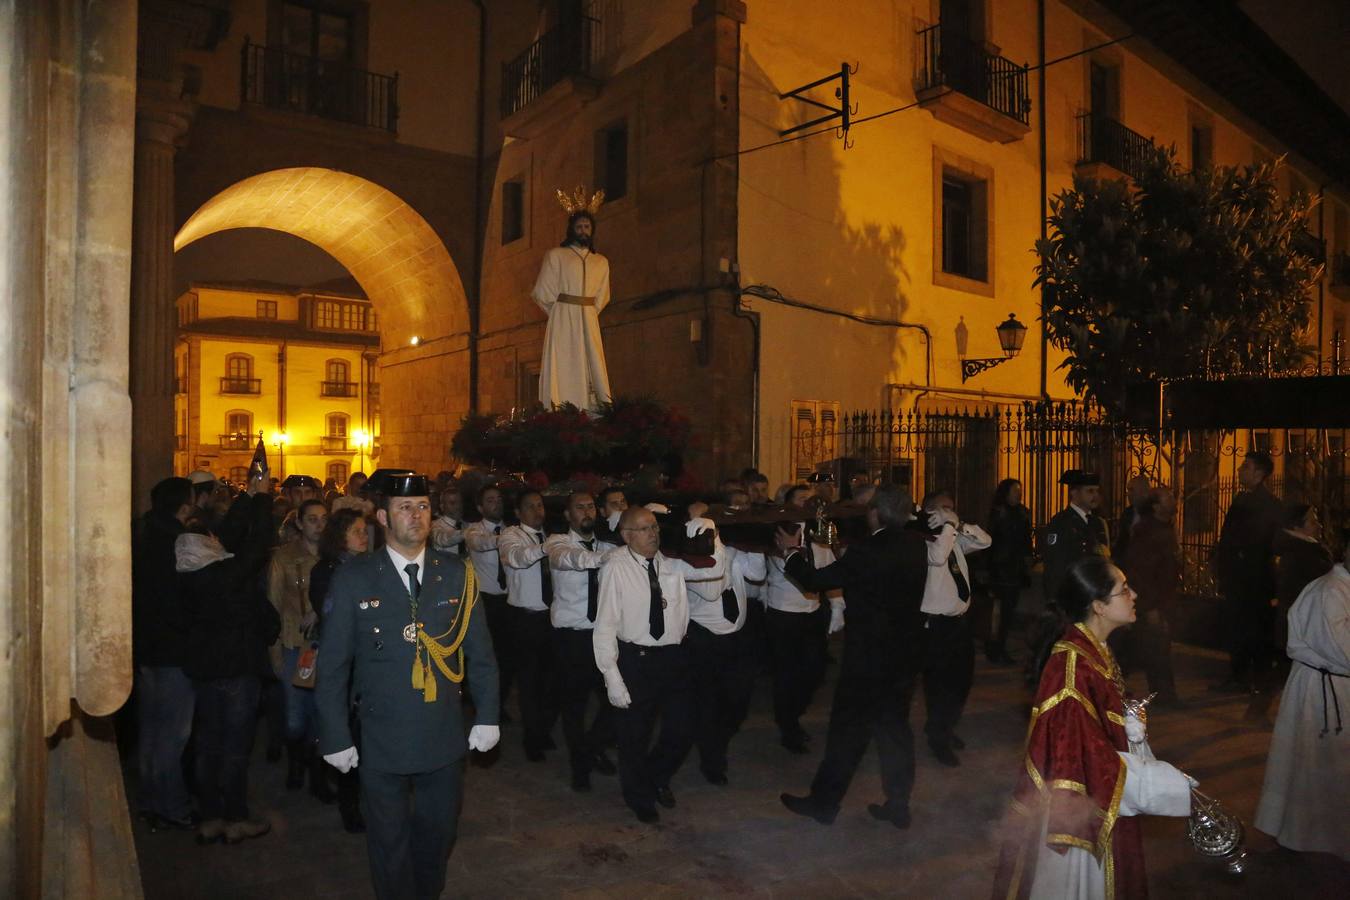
x: 378, y: 631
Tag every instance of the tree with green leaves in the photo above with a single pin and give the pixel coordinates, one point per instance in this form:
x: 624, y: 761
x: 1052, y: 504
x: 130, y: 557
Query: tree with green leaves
x: 1178, y: 274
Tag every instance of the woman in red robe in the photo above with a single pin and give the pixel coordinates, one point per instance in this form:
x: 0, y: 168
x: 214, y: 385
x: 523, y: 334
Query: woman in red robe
x: 1072, y: 831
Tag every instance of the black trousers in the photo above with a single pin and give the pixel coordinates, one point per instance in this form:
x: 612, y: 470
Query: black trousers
x: 579, y: 680
x: 867, y: 707
x: 411, y: 822
x: 1249, y: 622
x: 724, y: 679
x: 948, y: 670
x: 494, y: 607
x: 660, y: 686
x: 797, y: 643
x: 1005, y: 599
x: 531, y: 658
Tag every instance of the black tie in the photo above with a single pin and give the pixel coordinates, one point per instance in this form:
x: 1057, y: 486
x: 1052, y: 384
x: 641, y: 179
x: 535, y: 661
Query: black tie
x: 501, y: 569
x: 731, y: 610
x: 414, y: 586
x: 962, y: 587
x: 592, y: 584
x: 545, y: 577
x: 461, y: 546
x: 657, y: 612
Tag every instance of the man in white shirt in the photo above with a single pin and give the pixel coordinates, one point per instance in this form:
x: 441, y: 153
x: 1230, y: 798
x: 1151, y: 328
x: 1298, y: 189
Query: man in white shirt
x: 481, y: 540
x: 610, y: 504
x: 529, y: 594
x: 641, y: 619
x: 949, y: 649
x: 723, y: 658
x: 574, y: 559
x: 447, y: 531
x: 798, y: 628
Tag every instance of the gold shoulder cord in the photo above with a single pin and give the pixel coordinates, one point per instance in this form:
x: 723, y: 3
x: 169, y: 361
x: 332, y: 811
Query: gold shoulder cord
x: 431, y: 649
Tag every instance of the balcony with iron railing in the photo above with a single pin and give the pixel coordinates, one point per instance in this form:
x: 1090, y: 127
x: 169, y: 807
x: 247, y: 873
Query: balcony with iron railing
x: 961, y: 82
x: 561, y: 64
x: 237, y: 441
x: 333, y: 444
x: 339, y: 389
x: 279, y: 79
x: 230, y: 385
x: 1102, y: 141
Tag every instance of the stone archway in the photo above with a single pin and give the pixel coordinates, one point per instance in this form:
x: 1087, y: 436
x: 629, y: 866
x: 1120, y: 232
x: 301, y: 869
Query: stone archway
x: 405, y: 269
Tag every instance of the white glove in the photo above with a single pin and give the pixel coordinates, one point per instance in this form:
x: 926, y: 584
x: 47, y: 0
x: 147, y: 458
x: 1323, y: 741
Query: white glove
x: 836, y: 619
x: 618, y: 694
x: 343, y: 760
x: 484, y: 737
x: 696, y: 525
x: 1134, y: 729
x: 937, y: 518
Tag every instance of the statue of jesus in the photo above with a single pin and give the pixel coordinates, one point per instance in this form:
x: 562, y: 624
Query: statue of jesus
x: 572, y: 290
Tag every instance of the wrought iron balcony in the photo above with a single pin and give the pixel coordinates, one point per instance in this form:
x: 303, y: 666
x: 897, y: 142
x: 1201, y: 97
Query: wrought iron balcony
x: 567, y: 50
x: 953, y: 60
x: 336, y: 444
x: 1102, y: 139
x: 279, y: 79
x: 339, y: 389
x: 240, y: 385
x: 240, y: 441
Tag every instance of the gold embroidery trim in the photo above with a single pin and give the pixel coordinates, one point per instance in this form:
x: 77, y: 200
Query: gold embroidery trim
x: 1068, y: 840
x: 1064, y: 784
x: 1112, y: 813
x: 1117, y: 718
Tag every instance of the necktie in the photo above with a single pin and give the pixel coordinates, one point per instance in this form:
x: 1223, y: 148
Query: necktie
x: 656, y: 612
x: 461, y: 546
x: 731, y: 610
x: 545, y: 577
x: 414, y: 586
x: 962, y: 587
x: 501, y: 569
x: 592, y: 585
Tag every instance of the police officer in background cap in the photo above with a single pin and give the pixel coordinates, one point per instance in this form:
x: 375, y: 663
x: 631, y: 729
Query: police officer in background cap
x: 401, y: 626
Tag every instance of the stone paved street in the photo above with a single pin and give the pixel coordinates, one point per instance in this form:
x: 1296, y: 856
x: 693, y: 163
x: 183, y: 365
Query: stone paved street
x: 525, y: 834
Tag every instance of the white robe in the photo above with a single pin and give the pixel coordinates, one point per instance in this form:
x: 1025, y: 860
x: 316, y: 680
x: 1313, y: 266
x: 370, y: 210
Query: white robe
x: 573, y: 368
x: 1305, y: 802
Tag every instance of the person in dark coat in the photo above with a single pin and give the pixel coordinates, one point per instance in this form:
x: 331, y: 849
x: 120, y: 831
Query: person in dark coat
x: 1006, y: 562
x: 1153, y: 569
x: 344, y: 537
x: 1137, y: 492
x: 401, y: 630
x: 1244, y: 564
x: 231, y: 627
x: 883, y: 582
x: 164, y: 694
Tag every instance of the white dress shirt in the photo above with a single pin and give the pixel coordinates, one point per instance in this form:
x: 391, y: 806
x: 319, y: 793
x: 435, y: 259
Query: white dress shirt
x: 447, y: 535
x: 782, y: 593
x: 571, y: 564
x: 940, y: 596
x: 522, y: 552
x: 705, y: 595
x: 400, y: 561
x: 481, y: 539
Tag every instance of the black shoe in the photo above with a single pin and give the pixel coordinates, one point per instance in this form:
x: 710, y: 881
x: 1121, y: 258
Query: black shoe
x: 602, y: 764
x: 897, y: 817
x: 944, y: 754
x: 805, y: 806
x: 352, y: 821
x: 646, y: 815
x: 717, y: 778
x: 666, y: 797
x: 581, y: 782
x: 957, y: 743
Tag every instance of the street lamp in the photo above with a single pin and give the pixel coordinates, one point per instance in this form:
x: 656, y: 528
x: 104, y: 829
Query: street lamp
x: 363, y: 439
x: 279, y: 440
x: 1011, y: 334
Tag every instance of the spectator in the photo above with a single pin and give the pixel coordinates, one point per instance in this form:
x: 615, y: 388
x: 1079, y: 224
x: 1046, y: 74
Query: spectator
x: 1006, y: 563
x: 1153, y: 567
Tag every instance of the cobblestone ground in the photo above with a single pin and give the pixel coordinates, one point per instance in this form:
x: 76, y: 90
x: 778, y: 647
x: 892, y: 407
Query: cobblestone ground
x: 523, y: 833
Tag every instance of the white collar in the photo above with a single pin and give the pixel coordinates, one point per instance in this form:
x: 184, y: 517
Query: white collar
x: 1081, y: 512
x: 400, y: 561
x: 1301, y: 537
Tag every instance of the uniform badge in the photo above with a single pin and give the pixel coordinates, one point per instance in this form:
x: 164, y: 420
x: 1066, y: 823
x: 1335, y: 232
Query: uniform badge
x: 410, y: 633
x: 374, y: 602
x: 1051, y: 538
x: 364, y: 604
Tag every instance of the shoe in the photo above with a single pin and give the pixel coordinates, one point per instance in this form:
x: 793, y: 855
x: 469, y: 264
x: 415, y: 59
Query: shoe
x: 602, y: 764
x: 646, y: 815
x: 352, y: 820
x: 211, y: 831
x: 717, y: 778
x: 665, y: 796
x: 897, y: 817
x: 248, y: 828
x: 162, y: 823
x: 1230, y: 686
x: 805, y: 806
x: 945, y: 754
x: 581, y: 782
x: 957, y: 743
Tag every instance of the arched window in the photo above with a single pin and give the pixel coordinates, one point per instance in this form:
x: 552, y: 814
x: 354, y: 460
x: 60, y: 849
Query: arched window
x: 337, y: 425
x: 238, y: 365
x: 337, y: 379
x: 338, y: 371
x: 337, y: 471
x: 238, y: 434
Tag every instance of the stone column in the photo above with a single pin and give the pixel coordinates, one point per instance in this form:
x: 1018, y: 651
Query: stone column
x: 161, y: 121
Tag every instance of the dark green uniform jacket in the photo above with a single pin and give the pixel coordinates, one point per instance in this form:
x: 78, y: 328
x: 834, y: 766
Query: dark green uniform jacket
x: 1068, y: 538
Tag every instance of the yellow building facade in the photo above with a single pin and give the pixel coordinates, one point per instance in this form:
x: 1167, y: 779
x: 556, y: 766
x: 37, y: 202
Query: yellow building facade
x: 294, y: 366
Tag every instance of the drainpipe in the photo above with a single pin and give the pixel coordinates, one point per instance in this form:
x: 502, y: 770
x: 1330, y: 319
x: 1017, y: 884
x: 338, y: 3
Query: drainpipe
x: 1040, y: 116
x: 281, y: 403
x: 1328, y: 264
x: 479, y: 226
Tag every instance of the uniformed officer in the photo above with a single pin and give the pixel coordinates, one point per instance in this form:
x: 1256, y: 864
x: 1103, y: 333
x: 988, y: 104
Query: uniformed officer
x: 401, y: 626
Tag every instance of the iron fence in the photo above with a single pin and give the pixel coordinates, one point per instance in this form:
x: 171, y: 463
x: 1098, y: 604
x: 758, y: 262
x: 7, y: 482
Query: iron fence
x: 279, y: 79
x: 951, y: 59
x: 1104, y: 140
x: 564, y: 51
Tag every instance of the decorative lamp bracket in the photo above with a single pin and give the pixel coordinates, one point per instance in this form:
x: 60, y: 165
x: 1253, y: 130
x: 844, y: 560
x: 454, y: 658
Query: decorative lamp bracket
x: 844, y: 112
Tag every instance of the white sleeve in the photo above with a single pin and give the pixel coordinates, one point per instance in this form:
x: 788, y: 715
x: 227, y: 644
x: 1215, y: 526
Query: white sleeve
x: 549, y: 283
x: 602, y: 291
x: 519, y: 550
x: 445, y: 536
x: 973, y: 538
x: 605, y: 636
x: 566, y: 556
x: 479, y: 539
x: 940, y: 545
x: 1154, y: 788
